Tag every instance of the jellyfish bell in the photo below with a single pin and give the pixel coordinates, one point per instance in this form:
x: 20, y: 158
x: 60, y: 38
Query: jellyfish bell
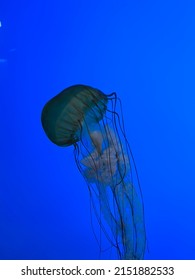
x: 90, y: 120
x: 64, y: 115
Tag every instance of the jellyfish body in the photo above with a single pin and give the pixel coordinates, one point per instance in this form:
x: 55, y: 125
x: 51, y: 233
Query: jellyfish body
x: 88, y: 119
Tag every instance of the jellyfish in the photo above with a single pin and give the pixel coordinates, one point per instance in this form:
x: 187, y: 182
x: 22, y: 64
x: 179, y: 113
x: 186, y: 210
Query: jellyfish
x: 93, y: 123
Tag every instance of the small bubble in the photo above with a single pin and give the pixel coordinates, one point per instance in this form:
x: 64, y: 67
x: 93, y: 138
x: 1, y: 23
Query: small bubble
x: 3, y: 60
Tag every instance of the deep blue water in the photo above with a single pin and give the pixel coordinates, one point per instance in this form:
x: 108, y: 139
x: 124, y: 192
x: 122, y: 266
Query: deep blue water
x: 143, y: 50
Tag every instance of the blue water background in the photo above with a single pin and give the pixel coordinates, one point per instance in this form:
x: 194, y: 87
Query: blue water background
x: 143, y: 50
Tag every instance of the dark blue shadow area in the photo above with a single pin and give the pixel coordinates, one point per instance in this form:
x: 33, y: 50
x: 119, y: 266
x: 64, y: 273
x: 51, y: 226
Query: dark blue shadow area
x: 143, y: 50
